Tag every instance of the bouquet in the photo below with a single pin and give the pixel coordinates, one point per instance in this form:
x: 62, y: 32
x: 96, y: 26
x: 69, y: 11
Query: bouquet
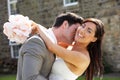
x: 18, y: 28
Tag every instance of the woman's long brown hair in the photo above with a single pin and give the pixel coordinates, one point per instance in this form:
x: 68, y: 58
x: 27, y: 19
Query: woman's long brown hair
x: 94, y: 48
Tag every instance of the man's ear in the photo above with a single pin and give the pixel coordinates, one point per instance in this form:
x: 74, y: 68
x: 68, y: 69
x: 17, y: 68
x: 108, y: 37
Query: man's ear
x: 94, y: 39
x: 65, y: 24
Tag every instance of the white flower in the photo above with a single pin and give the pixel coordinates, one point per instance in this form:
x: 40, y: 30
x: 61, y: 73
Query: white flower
x: 18, y: 28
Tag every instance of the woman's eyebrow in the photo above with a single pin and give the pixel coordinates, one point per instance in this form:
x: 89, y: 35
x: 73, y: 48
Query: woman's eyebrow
x: 90, y: 29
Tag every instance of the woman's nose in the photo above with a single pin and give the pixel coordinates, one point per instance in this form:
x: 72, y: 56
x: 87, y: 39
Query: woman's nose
x: 82, y: 30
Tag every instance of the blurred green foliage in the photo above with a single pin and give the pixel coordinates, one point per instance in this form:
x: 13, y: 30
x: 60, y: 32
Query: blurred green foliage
x: 13, y: 77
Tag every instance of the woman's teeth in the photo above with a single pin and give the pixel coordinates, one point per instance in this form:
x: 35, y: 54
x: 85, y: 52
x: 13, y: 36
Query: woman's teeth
x: 80, y: 35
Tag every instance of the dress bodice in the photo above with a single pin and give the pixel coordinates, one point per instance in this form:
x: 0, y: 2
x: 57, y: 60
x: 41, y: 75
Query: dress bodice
x: 60, y: 71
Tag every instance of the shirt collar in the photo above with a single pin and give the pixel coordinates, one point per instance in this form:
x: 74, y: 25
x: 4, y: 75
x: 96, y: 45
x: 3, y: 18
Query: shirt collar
x: 51, y: 35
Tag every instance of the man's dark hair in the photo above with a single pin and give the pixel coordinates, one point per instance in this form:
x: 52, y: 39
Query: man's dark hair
x: 72, y: 18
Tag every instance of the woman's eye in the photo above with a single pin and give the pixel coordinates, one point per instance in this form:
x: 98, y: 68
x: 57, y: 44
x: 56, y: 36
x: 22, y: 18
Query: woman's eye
x: 89, y: 31
x: 83, y: 26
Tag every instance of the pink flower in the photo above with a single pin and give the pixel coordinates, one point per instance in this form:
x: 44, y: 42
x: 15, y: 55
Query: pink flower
x: 18, y: 28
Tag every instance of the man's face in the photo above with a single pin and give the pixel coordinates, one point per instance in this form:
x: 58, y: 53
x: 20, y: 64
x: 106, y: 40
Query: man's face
x: 69, y: 32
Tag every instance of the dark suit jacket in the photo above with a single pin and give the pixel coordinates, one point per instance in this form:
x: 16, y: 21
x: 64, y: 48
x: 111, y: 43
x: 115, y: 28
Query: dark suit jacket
x: 35, y: 61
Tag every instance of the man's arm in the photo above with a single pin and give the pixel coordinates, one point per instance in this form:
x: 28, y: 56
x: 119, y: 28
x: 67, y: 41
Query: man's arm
x: 33, y: 59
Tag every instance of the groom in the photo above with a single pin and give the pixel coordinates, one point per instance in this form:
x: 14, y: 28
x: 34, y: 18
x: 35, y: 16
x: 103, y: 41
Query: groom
x: 35, y: 61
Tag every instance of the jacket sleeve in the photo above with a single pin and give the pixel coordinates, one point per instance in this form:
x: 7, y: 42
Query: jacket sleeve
x: 33, y: 58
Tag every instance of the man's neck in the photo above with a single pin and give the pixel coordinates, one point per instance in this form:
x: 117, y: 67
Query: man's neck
x: 57, y: 34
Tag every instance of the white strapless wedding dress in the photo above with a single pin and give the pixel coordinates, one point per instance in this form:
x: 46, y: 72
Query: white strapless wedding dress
x: 60, y: 71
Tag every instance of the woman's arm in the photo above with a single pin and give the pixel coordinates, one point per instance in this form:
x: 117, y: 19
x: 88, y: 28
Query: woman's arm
x: 73, y: 57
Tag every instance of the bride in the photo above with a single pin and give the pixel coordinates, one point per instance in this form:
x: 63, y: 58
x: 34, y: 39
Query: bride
x: 83, y: 56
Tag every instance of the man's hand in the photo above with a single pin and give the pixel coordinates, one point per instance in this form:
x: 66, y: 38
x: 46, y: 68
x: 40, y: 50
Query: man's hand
x: 34, y: 28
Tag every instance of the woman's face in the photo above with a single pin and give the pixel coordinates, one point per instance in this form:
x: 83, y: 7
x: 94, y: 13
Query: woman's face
x: 85, y: 33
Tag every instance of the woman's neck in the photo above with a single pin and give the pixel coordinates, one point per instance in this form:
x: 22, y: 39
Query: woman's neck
x: 79, y: 47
